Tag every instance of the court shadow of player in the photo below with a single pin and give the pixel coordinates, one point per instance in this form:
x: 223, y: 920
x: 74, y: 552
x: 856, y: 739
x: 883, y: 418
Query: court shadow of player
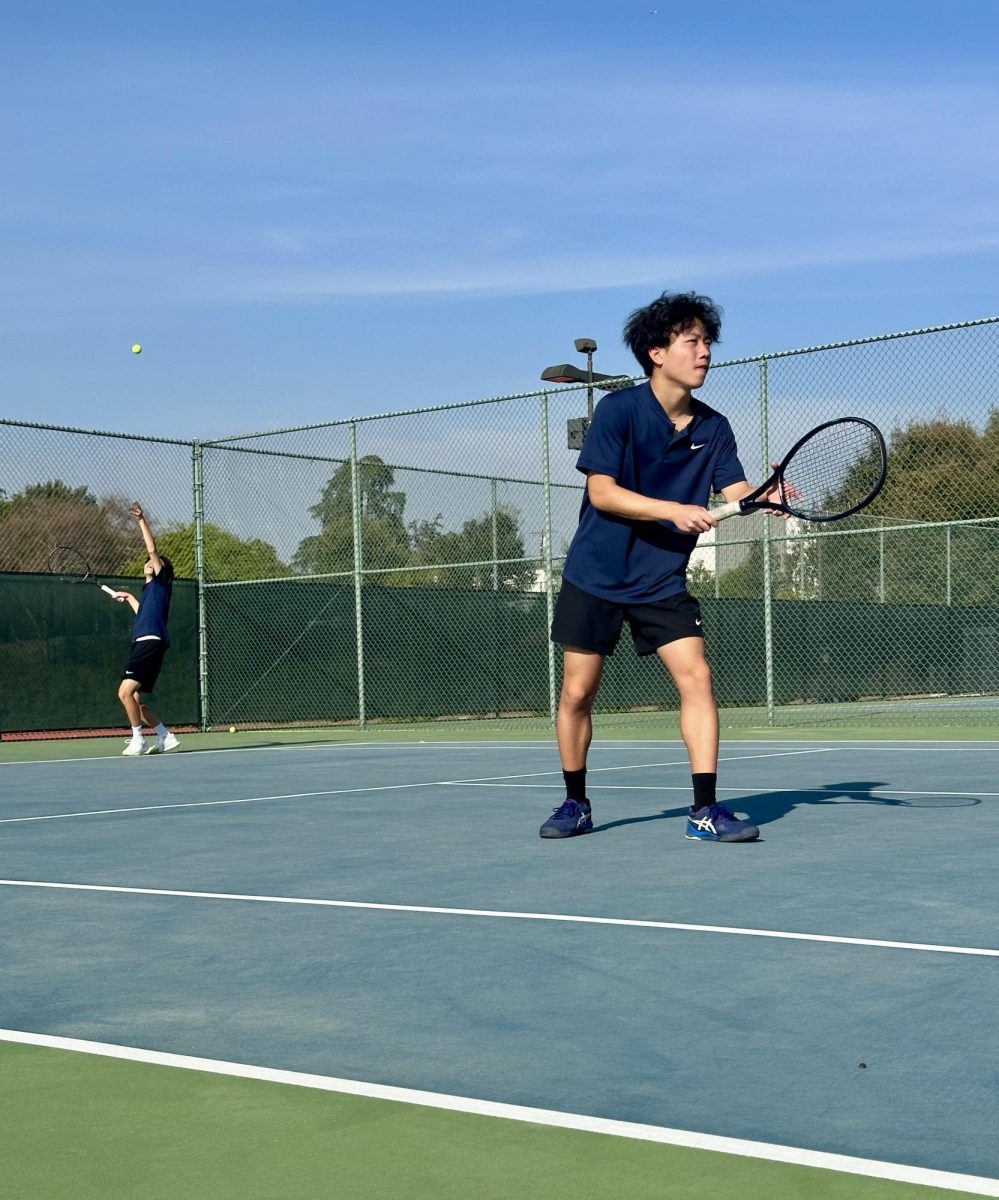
x: 763, y: 808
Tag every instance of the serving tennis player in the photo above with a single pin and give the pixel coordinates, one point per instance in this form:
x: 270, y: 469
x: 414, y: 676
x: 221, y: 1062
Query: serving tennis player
x: 150, y: 642
x: 652, y: 456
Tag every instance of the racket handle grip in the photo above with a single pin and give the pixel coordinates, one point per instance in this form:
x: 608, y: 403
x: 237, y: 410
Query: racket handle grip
x: 105, y: 588
x: 732, y: 509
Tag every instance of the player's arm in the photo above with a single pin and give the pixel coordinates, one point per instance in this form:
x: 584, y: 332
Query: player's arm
x: 728, y: 467
x: 608, y: 496
x: 127, y: 598
x: 738, y: 491
x: 147, y: 537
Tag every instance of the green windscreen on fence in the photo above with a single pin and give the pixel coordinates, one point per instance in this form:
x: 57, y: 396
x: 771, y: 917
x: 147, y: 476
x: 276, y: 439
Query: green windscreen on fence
x: 63, y: 648
x: 286, y: 652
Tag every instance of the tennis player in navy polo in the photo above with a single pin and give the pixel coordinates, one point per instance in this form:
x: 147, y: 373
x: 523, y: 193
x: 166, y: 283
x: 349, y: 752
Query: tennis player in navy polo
x: 652, y: 457
x: 150, y: 642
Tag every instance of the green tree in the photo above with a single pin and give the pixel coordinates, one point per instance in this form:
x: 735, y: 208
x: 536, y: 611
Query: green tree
x: 383, y: 534
x: 375, y: 493
x: 226, y: 556
x: 433, y: 546
x: 938, y: 470
x: 45, y: 515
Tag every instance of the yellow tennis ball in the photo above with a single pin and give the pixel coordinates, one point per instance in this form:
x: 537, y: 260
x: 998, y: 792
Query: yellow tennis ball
x: 232, y: 728
x: 136, y: 349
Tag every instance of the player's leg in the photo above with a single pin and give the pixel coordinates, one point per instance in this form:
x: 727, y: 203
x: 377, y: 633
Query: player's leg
x: 165, y: 740
x: 671, y: 628
x: 581, y: 671
x: 707, y: 820
x: 129, y: 693
x: 149, y: 657
x: 688, y: 665
x: 587, y: 627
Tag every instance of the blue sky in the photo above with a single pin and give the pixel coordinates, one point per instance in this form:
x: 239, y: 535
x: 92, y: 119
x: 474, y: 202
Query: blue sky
x: 306, y: 211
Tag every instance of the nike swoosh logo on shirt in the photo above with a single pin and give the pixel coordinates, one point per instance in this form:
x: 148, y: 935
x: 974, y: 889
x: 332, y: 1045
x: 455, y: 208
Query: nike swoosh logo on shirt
x: 699, y: 446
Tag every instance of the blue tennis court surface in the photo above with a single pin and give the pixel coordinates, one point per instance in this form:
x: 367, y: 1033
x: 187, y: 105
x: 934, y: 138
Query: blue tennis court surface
x: 736, y: 1030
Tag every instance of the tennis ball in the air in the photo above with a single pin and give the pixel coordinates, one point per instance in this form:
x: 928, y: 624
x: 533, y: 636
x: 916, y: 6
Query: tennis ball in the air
x: 136, y: 349
x: 232, y: 728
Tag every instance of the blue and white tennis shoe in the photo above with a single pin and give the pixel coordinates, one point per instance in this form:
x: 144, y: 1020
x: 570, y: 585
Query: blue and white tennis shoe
x: 568, y: 820
x: 716, y: 824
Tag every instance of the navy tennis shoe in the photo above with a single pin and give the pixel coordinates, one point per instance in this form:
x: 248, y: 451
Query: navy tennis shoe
x: 716, y: 824
x: 567, y: 821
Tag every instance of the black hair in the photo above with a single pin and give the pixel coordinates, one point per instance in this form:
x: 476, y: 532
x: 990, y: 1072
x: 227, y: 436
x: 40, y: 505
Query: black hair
x: 658, y: 323
x: 166, y: 566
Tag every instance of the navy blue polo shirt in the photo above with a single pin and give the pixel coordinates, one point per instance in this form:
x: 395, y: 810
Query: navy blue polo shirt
x: 631, y: 439
x: 154, y: 608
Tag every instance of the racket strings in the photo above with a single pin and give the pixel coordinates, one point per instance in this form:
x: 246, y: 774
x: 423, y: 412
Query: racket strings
x: 68, y: 564
x: 837, y: 469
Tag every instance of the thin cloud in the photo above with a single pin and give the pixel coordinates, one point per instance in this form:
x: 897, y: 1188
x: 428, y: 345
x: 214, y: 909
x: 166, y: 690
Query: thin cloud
x: 571, y: 273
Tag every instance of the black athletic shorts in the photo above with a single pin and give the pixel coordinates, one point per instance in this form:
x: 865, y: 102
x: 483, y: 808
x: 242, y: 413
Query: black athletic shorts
x: 144, y: 662
x: 586, y: 622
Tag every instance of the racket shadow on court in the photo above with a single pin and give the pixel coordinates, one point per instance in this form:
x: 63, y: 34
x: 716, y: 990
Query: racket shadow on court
x: 764, y: 808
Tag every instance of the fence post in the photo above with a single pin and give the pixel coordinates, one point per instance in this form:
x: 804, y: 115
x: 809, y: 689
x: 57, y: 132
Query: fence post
x: 549, y: 594
x: 495, y: 531
x: 355, y: 506
x: 199, y: 574
x: 948, y: 568
x: 881, y: 567
x: 768, y: 632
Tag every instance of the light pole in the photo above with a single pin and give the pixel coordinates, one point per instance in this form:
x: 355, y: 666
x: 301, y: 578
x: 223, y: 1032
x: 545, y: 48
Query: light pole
x: 567, y: 373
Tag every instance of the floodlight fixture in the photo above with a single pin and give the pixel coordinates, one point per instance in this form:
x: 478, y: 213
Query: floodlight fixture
x: 567, y: 373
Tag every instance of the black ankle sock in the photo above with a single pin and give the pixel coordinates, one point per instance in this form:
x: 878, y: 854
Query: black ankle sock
x: 575, y: 785
x: 704, y: 789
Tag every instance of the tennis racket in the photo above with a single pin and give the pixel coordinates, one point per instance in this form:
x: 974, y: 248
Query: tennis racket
x: 832, y: 472
x: 72, y: 567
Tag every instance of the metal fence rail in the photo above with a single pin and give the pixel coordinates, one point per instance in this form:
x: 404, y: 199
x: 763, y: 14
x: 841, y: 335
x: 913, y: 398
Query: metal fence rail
x: 404, y: 566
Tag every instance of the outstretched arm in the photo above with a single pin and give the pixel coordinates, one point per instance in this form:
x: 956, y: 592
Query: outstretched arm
x: 147, y: 537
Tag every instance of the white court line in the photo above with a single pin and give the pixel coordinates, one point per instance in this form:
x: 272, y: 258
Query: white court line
x: 388, y: 787
x: 34, y: 762
x: 976, y: 1185
x: 105, y: 812
x: 664, y: 787
x: 546, y: 742
x: 501, y: 914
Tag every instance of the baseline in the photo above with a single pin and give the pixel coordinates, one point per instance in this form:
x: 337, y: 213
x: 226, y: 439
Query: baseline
x: 771, y: 1152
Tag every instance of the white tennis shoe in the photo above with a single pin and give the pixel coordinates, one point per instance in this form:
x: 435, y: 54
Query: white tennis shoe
x: 136, y: 746
x: 169, y: 741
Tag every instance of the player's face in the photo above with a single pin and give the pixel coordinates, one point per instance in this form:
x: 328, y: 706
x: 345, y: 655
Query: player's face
x: 686, y: 360
x: 147, y: 571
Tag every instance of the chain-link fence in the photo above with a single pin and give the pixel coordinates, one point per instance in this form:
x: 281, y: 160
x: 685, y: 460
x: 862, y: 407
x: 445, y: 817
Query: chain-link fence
x: 404, y: 567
